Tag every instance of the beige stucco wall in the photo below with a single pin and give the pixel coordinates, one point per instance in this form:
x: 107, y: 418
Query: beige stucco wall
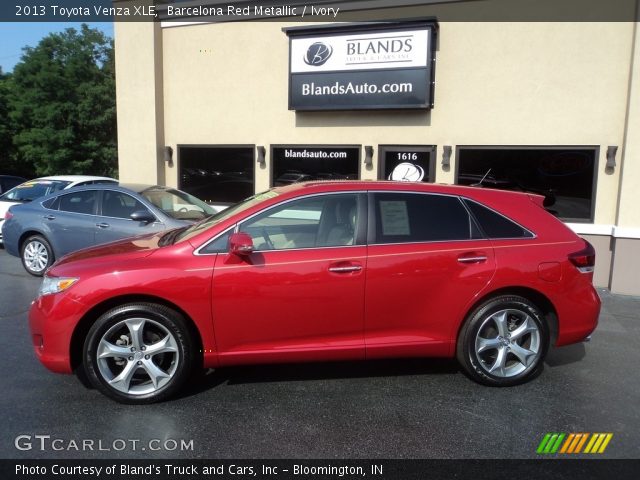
x: 626, y: 265
x: 602, y: 270
x: 629, y: 211
x: 496, y: 84
x: 138, y: 49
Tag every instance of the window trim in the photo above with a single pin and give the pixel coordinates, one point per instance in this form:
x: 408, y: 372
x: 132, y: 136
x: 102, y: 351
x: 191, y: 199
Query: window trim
x: 367, y: 223
x: 594, y: 183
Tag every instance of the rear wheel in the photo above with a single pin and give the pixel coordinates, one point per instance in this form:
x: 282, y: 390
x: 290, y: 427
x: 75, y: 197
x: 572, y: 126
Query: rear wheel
x: 504, y: 341
x: 139, y: 353
x: 36, y: 255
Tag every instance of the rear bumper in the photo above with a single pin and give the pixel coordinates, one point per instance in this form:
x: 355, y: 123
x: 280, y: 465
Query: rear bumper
x: 578, y: 314
x: 10, y: 237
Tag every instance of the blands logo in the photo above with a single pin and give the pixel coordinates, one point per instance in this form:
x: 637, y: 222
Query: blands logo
x: 318, y: 54
x: 361, y: 51
x: 574, y: 443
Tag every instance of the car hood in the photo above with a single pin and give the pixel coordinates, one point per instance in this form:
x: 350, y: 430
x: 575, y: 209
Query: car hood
x: 130, y: 248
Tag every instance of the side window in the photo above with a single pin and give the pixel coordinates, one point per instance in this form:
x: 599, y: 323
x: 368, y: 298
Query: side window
x: 414, y: 217
x: 219, y: 245
x: 52, y: 203
x: 79, y: 202
x: 321, y: 221
x: 495, y: 225
x: 119, y: 205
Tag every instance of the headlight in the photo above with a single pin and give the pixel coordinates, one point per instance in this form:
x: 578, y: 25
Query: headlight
x: 55, y: 285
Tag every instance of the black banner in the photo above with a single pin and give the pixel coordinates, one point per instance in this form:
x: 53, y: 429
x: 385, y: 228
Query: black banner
x: 322, y: 469
x: 364, y: 89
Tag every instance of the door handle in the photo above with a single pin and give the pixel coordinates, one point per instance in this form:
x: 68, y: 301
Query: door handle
x: 473, y: 258
x: 345, y: 268
x: 102, y: 225
x: 49, y: 217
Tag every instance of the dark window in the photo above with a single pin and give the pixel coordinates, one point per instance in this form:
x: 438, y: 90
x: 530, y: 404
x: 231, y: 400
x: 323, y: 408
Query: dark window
x: 217, y: 175
x: 564, y: 176
x: 52, y: 203
x: 413, y: 217
x: 79, y: 202
x: 95, y: 182
x: 321, y: 221
x: 300, y: 163
x: 31, y: 190
x: 407, y: 163
x: 219, y: 245
x: 120, y: 205
x: 495, y: 225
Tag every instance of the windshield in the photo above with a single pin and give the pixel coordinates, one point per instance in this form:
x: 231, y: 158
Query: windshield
x: 29, y: 191
x: 177, y: 204
x: 224, y: 214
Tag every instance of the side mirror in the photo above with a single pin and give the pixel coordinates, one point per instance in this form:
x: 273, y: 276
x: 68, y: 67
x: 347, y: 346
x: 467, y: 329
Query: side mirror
x: 241, y: 244
x: 142, y: 216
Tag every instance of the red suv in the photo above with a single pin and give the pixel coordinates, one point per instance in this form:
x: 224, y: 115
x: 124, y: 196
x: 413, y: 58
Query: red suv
x: 323, y: 271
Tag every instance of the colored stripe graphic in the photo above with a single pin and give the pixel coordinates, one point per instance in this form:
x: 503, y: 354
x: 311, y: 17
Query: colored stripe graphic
x: 573, y: 443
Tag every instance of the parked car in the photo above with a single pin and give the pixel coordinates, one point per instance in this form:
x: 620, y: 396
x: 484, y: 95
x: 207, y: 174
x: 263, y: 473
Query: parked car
x: 41, y: 231
x: 7, y: 182
x: 40, y: 187
x: 292, y: 177
x: 323, y: 271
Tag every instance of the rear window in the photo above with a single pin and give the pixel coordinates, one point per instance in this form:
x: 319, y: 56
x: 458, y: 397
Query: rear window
x: 495, y: 225
x: 29, y: 191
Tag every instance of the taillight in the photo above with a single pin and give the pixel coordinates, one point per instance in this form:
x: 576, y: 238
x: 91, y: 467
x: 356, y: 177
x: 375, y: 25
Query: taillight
x: 585, y: 259
x: 8, y: 215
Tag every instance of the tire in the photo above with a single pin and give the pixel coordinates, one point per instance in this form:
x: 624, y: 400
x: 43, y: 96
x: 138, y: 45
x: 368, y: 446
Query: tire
x: 36, y: 255
x: 155, y: 362
x: 503, y: 342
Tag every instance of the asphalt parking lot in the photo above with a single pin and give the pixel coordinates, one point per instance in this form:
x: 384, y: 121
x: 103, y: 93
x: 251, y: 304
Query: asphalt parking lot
x: 384, y: 409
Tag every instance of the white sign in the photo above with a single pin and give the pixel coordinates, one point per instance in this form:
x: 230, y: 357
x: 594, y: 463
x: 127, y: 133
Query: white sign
x: 395, y: 218
x: 407, y: 172
x: 365, y: 51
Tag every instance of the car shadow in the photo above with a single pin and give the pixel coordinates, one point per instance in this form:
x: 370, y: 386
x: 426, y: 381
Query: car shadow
x: 560, y: 356
x: 295, y: 372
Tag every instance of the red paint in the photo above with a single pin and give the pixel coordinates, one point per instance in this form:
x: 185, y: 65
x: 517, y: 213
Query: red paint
x: 304, y: 305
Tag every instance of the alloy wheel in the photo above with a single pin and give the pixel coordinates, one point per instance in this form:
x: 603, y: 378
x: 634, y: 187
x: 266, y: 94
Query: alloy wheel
x: 35, y: 256
x: 137, y: 356
x: 508, y: 343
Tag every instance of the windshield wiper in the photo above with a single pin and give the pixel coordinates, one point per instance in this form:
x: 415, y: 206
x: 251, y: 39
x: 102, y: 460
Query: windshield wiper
x: 170, y: 237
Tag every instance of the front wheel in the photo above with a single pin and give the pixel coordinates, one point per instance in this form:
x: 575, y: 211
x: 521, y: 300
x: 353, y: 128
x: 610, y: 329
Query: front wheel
x: 138, y: 353
x: 504, y: 341
x: 36, y: 255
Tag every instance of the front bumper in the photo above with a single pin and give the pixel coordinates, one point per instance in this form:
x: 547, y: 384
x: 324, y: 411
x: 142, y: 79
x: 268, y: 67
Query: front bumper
x: 52, y: 320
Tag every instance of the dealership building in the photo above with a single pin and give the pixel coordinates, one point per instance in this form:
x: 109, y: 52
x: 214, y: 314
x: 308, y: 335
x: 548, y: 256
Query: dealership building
x: 224, y: 109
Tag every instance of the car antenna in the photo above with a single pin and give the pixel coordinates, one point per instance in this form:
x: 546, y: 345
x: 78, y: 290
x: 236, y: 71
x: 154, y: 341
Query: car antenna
x: 479, y: 184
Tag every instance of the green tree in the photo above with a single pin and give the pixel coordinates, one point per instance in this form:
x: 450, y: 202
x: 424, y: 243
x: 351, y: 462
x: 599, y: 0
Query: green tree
x: 7, y: 160
x: 63, y: 104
